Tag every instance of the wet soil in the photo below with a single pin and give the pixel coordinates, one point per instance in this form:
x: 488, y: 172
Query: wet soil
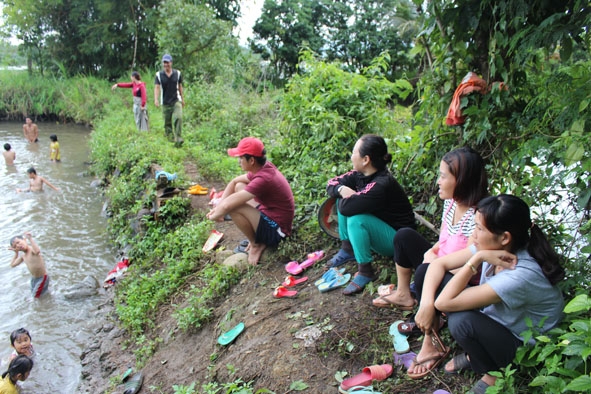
x: 353, y: 334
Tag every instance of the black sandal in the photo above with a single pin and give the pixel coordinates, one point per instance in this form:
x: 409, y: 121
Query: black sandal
x: 461, y: 363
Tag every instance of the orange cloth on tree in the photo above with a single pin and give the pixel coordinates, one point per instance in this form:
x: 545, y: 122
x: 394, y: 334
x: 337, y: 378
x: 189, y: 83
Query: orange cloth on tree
x: 470, y: 83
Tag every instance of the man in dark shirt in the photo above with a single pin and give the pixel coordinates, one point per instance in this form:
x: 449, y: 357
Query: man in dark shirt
x: 168, y: 88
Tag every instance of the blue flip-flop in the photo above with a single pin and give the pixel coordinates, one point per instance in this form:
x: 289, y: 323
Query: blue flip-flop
x: 329, y: 275
x: 399, y: 340
x: 338, y: 281
x: 229, y: 337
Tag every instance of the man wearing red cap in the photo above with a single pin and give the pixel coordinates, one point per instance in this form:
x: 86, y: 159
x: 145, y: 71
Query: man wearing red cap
x: 260, y: 202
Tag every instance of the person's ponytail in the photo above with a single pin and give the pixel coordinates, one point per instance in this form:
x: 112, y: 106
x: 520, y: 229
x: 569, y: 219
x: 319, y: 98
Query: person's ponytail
x: 539, y: 248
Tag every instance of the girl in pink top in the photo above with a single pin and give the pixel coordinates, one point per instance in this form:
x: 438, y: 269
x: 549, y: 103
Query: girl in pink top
x: 462, y: 184
x: 138, y: 90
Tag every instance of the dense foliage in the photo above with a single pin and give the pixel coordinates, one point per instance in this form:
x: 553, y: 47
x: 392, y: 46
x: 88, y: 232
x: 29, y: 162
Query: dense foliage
x: 110, y: 38
x: 352, y: 32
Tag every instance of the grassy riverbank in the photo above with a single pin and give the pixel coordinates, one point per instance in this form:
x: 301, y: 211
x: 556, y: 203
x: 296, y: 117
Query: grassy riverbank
x: 309, y: 136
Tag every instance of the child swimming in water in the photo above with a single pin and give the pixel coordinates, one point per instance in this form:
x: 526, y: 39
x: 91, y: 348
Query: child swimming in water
x: 20, y: 340
x: 18, y: 369
x: 36, y: 182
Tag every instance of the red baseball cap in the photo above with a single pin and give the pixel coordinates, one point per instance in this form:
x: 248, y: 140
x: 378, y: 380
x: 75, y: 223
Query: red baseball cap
x: 248, y: 146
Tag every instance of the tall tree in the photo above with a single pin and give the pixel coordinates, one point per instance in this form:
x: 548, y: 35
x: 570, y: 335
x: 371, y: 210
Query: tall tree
x: 353, y: 32
x: 284, y: 27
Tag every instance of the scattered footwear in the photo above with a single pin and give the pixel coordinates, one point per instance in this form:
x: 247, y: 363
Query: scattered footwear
x: 438, y: 359
x: 385, y: 290
x: 440, y: 392
x: 339, y: 281
x: 329, y: 275
x: 461, y: 363
x: 197, y: 189
x: 410, y: 327
x: 291, y: 281
x: 229, y: 337
x: 405, y: 360
x: 399, y: 340
x: 362, y: 390
x: 357, y: 285
x: 294, y: 268
x: 369, y: 374
x: 126, y: 375
x: 212, y: 241
x: 479, y: 388
x: 339, y: 259
x: 242, y: 247
x: 283, y: 292
x: 133, y: 384
x: 384, y: 302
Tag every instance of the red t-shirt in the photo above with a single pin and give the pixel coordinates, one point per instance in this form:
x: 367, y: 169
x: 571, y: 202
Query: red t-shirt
x: 273, y: 193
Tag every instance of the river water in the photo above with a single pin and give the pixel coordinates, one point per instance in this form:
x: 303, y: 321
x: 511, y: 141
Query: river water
x: 68, y: 227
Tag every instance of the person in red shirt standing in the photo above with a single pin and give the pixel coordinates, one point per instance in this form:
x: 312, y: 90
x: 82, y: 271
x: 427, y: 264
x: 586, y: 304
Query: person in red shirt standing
x: 138, y: 90
x: 259, y: 202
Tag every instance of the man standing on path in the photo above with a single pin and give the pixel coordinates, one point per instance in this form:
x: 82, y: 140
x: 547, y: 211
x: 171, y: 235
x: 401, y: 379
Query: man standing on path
x: 31, y: 131
x: 169, y: 87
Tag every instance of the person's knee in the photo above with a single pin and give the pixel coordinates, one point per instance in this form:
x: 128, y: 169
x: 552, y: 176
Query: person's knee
x: 460, y: 324
x: 239, y: 187
x: 357, y: 221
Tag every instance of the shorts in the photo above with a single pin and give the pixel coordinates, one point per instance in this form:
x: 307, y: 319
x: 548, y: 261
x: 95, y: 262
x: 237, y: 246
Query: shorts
x: 39, y: 285
x: 268, y: 232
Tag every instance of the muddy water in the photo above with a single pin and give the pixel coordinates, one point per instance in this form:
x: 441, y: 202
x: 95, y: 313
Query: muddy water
x: 71, y: 234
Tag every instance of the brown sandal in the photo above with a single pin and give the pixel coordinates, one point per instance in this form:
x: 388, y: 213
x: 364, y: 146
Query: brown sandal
x: 443, y: 353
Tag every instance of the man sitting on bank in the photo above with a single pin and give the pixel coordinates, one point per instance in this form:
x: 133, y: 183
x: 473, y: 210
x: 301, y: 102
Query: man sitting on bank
x: 259, y: 202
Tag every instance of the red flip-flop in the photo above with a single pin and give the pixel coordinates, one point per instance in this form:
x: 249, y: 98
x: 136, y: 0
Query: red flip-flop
x: 369, y: 374
x: 283, y: 292
x: 291, y: 281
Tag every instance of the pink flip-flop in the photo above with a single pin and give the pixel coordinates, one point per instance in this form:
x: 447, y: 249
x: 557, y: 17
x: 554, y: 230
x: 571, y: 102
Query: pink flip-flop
x: 283, y: 292
x: 369, y: 374
x: 291, y: 281
x: 294, y: 268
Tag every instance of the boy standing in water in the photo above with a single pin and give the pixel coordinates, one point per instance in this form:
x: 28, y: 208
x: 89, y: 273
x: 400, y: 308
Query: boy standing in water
x: 31, y: 255
x: 9, y: 155
x: 36, y: 182
x: 30, y: 130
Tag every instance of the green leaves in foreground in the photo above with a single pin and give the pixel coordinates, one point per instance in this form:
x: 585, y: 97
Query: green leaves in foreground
x: 559, y: 360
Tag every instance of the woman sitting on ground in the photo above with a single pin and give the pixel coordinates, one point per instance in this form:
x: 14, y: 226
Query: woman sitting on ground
x: 462, y: 183
x: 371, y: 207
x: 520, y: 271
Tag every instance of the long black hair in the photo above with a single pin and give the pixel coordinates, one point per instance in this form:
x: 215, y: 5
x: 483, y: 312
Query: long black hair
x: 19, y: 365
x: 509, y: 213
x: 375, y: 147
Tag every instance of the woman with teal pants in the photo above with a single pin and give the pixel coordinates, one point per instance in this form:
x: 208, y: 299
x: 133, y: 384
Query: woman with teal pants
x: 371, y: 207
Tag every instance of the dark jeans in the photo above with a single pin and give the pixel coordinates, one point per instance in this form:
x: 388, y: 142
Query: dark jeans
x: 409, y: 248
x: 489, y: 344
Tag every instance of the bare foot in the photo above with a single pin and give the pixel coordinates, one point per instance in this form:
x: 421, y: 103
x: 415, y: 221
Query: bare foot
x: 254, y: 253
x: 426, y: 358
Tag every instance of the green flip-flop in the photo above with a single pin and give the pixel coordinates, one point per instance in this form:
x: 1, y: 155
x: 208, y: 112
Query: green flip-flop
x: 229, y: 337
